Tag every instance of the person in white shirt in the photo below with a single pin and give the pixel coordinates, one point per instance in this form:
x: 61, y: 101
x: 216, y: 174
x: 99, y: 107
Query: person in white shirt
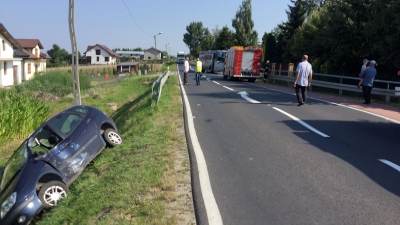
x: 186, y: 71
x: 303, y: 79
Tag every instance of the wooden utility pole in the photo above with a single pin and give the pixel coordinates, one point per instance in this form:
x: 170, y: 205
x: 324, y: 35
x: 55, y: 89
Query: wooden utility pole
x: 75, y: 56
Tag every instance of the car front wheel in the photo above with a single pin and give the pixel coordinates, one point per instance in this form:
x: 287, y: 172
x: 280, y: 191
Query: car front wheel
x: 112, y: 137
x: 52, y: 192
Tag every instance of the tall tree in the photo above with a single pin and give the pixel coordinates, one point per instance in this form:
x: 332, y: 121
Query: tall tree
x: 207, y: 43
x: 195, y: 37
x: 272, y: 52
x: 59, y: 56
x: 243, y: 23
x: 224, y: 39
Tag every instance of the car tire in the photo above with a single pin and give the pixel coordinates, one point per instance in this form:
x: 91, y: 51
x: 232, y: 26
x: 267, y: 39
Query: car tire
x: 52, y: 192
x: 112, y: 137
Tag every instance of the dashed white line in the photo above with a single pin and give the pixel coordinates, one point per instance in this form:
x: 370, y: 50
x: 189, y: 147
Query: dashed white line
x: 215, y: 82
x: 393, y: 165
x: 304, y: 124
x: 228, y: 88
x: 213, y: 214
x: 246, y: 97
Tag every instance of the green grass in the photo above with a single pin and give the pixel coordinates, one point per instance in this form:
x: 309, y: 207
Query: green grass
x: 129, y: 184
x: 19, y: 114
x: 124, y: 184
x: 56, y: 83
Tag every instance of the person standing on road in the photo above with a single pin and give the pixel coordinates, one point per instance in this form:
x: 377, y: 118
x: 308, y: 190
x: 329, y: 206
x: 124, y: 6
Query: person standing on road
x: 367, y: 81
x: 363, y: 67
x: 199, y: 69
x: 303, y: 79
x: 186, y: 71
x: 266, y: 70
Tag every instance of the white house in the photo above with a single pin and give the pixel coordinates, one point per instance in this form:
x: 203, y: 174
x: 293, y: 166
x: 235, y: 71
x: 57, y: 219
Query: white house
x: 20, y: 59
x: 10, y: 66
x: 34, y: 60
x: 100, y: 55
x: 152, y: 54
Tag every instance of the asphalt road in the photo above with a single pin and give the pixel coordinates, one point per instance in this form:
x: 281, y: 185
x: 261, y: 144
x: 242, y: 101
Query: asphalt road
x: 270, y: 163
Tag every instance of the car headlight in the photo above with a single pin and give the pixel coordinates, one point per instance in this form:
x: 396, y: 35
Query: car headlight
x: 8, y: 204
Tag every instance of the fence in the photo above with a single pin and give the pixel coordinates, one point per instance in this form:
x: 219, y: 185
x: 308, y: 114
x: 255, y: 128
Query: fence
x: 388, y: 89
x: 156, y: 89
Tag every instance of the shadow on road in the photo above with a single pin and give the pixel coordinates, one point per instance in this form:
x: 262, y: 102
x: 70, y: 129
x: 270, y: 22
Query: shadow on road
x: 360, y: 143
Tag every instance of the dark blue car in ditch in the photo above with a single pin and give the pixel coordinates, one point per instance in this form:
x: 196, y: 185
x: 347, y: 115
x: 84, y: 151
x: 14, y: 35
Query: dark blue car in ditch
x: 39, y: 172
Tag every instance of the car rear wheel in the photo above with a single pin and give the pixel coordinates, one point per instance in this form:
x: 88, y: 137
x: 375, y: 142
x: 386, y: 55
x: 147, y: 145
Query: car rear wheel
x: 52, y: 192
x: 112, y: 137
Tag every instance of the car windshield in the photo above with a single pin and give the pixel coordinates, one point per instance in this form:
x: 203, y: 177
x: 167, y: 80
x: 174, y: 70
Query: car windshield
x: 14, y: 165
x: 66, y: 122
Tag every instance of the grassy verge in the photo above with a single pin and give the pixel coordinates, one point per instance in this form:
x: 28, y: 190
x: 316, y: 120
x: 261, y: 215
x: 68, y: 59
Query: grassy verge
x: 135, y: 182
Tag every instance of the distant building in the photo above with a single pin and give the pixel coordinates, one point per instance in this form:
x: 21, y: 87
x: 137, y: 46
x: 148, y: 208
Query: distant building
x: 100, y: 55
x: 130, y: 54
x: 20, y: 59
x: 152, y: 54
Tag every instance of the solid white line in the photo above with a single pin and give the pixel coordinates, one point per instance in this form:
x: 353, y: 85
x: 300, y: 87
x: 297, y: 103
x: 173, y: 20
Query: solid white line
x: 228, y: 88
x: 212, y: 210
x: 304, y: 124
x: 393, y: 165
x: 334, y: 103
x: 215, y: 82
x: 246, y: 97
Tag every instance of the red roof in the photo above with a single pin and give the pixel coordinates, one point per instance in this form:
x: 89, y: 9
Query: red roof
x: 30, y: 43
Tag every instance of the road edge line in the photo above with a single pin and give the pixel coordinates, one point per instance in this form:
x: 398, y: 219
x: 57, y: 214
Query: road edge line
x: 213, y: 214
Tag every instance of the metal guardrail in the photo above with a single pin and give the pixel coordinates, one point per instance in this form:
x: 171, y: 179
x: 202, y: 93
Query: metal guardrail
x: 388, y: 89
x: 157, y: 86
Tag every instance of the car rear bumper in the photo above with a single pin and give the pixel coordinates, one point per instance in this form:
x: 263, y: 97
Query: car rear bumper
x: 23, y: 212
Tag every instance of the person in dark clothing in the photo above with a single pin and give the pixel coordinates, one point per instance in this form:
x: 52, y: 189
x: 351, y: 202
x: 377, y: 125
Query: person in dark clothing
x: 367, y: 81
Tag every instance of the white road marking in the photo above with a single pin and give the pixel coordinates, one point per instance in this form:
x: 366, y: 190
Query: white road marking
x: 334, y: 103
x: 212, y: 210
x: 228, y: 88
x: 246, y: 97
x: 304, y: 124
x: 215, y: 82
x: 393, y: 165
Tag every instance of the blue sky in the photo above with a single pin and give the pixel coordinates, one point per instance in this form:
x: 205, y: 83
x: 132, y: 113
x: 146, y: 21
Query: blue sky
x: 109, y: 21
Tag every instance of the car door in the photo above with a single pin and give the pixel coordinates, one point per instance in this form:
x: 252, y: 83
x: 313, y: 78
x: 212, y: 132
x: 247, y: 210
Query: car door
x: 72, y: 155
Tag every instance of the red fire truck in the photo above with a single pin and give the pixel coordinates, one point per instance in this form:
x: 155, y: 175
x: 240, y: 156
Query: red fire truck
x: 243, y: 63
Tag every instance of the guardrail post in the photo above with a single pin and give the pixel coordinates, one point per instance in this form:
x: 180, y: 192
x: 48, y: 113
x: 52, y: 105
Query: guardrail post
x: 387, y: 96
x: 341, y: 82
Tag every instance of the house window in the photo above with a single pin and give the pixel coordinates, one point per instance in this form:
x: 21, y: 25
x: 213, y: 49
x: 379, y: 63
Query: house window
x: 98, y: 52
x: 5, y: 68
x: 107, y: 59
x: 98, y: 59
x: 29, y: 68
x: 35, y: 52
x: 4, y: 45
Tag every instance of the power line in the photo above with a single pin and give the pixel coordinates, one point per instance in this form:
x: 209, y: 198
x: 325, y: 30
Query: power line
x: 133, y: 18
